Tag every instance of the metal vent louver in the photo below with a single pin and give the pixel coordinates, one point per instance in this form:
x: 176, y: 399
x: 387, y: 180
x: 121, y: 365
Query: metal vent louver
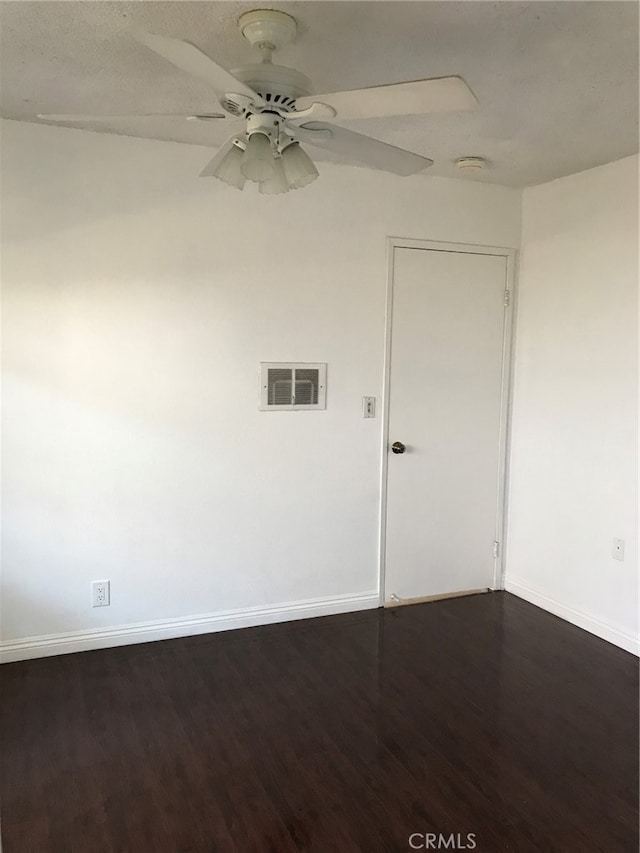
x: 288, y: 386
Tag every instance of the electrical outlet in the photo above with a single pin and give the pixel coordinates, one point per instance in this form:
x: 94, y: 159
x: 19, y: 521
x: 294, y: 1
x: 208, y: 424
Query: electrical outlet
x: 618, y: 550
x: 100, y: 594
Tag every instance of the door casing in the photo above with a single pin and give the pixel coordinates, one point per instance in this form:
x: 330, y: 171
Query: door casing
x: 394, y: 243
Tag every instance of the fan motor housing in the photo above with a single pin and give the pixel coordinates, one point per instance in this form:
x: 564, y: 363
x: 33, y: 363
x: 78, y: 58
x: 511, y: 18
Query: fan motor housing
x: 267, y: 79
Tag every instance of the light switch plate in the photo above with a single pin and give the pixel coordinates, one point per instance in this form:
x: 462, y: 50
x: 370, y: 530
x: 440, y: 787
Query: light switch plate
x: 618, y: 550
x: 368, y: 407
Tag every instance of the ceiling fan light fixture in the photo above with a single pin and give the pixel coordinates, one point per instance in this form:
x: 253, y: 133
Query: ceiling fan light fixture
x: 298, y: 166
x: 278, y: 183
x: 257, y: 160
x: 228, y: 169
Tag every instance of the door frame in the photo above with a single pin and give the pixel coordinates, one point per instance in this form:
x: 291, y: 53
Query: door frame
x: 394, y: 243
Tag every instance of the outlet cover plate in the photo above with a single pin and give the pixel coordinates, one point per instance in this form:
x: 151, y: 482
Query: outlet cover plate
x: 100, y: 594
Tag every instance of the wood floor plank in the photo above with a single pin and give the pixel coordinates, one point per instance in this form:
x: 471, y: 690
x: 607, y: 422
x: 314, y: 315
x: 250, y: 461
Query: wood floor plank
x: 344, y: 734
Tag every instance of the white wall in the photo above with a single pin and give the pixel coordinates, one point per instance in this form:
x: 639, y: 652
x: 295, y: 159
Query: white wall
x: 138, y: 301
x: 574, y: 466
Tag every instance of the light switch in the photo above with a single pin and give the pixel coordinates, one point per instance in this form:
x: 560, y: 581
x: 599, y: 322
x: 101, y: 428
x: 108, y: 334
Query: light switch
x: 368, y: 407
x: 618, y: 550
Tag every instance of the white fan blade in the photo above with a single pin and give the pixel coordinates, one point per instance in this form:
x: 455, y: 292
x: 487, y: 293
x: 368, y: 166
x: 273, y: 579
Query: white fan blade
x: 191, y: 59
x: 363, y: 149
x: 439, y: 94
x: 129, y: 116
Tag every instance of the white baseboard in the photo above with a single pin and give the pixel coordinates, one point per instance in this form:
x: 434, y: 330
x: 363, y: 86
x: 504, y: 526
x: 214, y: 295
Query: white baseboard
x: 625, y: 640
x: 165, y: 629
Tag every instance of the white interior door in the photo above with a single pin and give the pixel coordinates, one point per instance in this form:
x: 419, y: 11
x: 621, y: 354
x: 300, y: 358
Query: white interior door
x: 445, y: 392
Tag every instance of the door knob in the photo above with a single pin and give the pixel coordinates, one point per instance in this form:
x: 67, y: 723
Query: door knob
x: 398, y: 447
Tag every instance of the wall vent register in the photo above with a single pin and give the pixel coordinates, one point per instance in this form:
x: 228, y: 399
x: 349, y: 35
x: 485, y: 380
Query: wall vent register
x: 287, y: 386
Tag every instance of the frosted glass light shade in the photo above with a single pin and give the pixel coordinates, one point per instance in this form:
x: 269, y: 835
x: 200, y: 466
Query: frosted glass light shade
x: 298, y: 167
x: 278, y: 183
x: 228, y: 169
x: 257, y: 160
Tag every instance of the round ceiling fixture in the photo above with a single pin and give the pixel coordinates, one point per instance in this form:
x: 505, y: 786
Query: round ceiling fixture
x: 267, y: 28
x: 471, y: 163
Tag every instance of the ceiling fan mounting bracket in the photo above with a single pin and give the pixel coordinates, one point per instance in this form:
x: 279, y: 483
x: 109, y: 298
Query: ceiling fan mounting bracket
x: 267, y: 29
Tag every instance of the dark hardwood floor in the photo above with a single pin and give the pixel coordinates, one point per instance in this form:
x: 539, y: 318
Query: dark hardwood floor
x: 482, y: 717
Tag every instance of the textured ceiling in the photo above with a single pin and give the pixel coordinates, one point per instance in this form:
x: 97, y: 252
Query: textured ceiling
x: 557, y: 82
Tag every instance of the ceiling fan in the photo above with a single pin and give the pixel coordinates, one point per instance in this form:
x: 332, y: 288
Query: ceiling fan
x: 275, y: 112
